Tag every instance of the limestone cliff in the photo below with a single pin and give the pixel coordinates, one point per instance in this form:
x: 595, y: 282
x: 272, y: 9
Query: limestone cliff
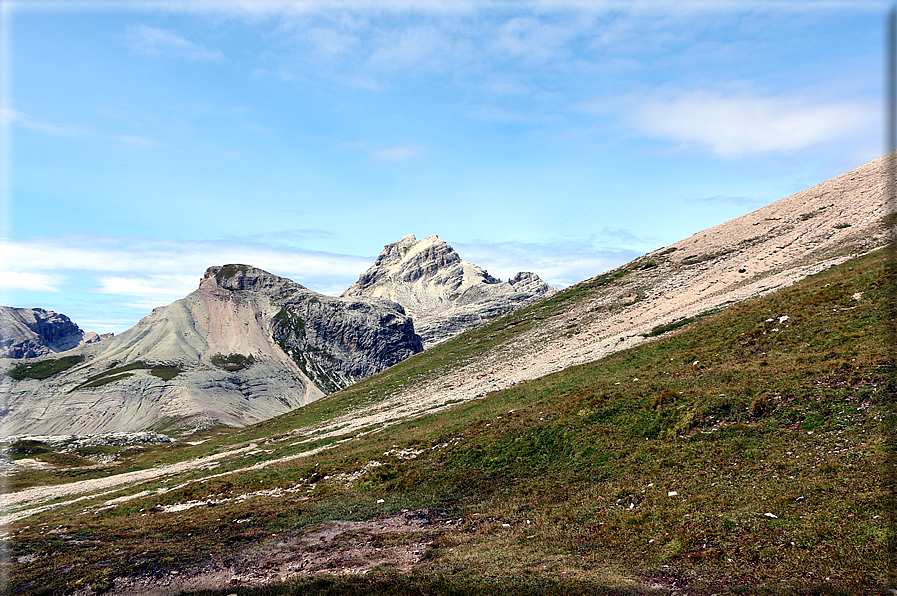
x: 245, y: 346
x: 32, y: 332
x: 443, y: 294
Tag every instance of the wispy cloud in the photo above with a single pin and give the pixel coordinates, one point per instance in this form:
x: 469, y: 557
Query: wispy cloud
x: 23, y: 281
x: 398, y: 153
x: 266, y: 8
x: 151, y: 41
x: 154, y: 269
x: 744, y: 123
x: 161, y: 287
x: 558, y: 262
x: 11, y: 117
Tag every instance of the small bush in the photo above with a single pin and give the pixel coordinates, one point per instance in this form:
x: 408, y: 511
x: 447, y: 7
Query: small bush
x: 166, y: 373
x: 759, y: 407
x: 232, y: 362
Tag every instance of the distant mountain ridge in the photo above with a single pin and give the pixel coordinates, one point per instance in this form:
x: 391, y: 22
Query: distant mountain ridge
x: 245, y: 346
x: 443, y: 294
x: 33, y: 332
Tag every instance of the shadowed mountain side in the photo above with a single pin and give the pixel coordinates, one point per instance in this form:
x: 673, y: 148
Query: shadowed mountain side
x: 33, y: 332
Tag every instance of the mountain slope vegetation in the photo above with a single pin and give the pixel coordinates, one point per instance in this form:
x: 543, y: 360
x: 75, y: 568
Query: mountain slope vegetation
x: 746, y: 452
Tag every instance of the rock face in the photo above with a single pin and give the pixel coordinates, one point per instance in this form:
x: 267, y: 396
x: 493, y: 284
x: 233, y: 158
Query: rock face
x: 245, y: 346
x: 443, y: 294
x: 335, y: 341
x: 32, y: 332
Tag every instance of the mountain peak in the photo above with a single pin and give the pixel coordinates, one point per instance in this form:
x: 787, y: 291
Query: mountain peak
x: 236, y: 277
x: 442, y: 293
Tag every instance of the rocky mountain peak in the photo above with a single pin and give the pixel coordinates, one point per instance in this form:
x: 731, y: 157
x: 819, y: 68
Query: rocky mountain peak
x: 412, y: 259
x: 245, y: 346
x: 444, y: 294
x: 235, y: 277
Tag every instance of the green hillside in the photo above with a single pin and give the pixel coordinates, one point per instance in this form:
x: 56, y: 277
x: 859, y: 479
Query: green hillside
x: 747, y: 453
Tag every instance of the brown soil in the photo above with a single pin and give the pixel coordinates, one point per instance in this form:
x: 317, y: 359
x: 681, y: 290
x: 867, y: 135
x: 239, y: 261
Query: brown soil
x: 334, y: 548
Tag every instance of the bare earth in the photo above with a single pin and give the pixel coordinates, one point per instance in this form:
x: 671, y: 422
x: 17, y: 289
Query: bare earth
x: 335, y: 547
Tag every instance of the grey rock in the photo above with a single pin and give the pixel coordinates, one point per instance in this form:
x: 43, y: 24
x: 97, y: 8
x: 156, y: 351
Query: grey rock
x: 443, y: 294
x: 32, y: 332
x: 335, y: 341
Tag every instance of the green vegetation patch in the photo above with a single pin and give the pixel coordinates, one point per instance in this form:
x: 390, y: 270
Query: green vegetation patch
x: 287, y: 318
x: 166, y: 372
x: 661, y: 329
x: 228, y: 271
x: 702, y: 258
x: 44, y: 369
x: 111, y: 375
x: 232, y: 362
x: 104, y: 381
x: 27, y: 448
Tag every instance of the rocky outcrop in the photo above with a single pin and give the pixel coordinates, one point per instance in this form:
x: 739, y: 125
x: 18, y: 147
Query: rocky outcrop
x: 245, y: 346
x: 335, y: 341
x: 33, y: 332
x: 443, y: 294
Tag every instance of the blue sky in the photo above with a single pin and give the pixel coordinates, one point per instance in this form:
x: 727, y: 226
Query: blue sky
x: 145, y: 141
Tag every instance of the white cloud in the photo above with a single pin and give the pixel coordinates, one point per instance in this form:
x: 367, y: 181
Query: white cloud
x: 398, y: 153
x: 157, y: 268
x: 151, y: 41
x: 744, y: 123
x: 331, y: 42
x: 559, y: 263
x: 163, y: 287
x: 9, y: 116
x: 266, y: 8
x: 22, y: 281
x: 412, y: 47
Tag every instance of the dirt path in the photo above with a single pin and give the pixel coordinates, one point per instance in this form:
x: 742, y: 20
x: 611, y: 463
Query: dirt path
x: 11, y: 504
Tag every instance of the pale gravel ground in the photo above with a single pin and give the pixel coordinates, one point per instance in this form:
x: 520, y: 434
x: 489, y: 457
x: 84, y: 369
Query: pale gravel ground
x: 778, y: 245
x: 31, y: 498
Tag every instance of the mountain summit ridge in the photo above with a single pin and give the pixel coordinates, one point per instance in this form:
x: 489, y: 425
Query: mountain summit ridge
x: 444, y: 294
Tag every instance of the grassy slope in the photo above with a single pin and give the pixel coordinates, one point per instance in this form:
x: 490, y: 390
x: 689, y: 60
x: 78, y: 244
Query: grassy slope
x: 739, y: 415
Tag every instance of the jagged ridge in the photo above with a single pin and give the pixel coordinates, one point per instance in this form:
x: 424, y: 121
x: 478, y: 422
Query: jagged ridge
x: 443, y: 294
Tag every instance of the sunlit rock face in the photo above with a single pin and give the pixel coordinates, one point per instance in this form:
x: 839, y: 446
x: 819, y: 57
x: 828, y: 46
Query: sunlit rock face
x: 443, y: 294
